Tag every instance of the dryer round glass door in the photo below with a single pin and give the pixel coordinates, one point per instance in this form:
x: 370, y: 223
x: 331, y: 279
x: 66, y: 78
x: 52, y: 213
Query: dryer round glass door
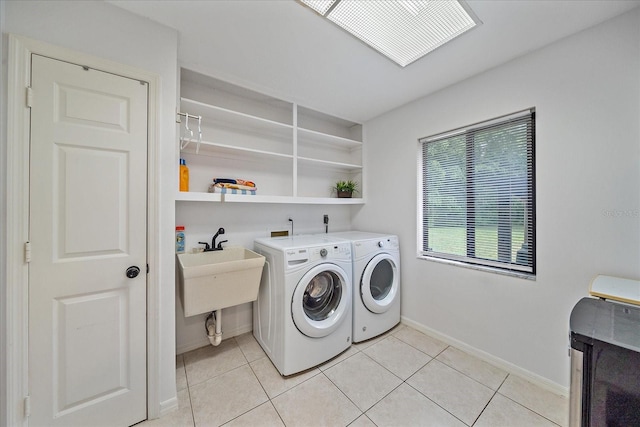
x: 380, y: 282
x: 321, y: 300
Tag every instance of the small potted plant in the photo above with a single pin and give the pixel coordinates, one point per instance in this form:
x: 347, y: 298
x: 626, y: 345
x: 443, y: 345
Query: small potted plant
x: 345, y: 189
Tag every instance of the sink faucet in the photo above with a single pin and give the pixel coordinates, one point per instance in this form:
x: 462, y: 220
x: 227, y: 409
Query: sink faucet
x: 213, y: 246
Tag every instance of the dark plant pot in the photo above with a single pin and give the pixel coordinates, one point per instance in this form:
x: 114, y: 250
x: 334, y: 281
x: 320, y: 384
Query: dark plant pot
x: 344, y: 194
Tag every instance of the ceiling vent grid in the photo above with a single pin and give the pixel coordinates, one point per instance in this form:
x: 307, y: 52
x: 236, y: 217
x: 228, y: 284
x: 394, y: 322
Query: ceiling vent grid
x: 404, y: 30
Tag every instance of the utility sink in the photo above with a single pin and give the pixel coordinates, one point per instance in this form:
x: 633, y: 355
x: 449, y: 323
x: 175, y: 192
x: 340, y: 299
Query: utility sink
x: 213, y: 280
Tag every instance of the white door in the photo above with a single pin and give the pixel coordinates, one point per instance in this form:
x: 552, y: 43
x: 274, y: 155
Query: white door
x: 88, y: 181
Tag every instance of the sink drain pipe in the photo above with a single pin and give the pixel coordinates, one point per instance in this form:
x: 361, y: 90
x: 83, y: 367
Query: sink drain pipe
x: 213, y: 326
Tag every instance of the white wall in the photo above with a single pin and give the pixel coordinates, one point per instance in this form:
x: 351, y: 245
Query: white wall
x: 586, y: 90
x: 108, y: 32
x: 243, y: 223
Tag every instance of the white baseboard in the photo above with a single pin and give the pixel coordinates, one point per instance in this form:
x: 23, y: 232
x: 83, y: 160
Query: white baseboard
x: 226, y: 334
x: 489, y: 358
x: 168, y: 406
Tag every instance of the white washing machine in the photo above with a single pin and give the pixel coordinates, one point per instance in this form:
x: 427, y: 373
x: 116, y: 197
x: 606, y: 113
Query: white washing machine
x: 376, y: 282
x: 302, y: 316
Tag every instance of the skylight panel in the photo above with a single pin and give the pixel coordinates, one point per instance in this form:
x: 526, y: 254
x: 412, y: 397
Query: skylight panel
x: 402, y: 30
x: 320, y: 6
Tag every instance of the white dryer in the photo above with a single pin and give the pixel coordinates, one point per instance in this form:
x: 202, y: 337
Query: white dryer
x: 376, y: 282
x: 302, y: 316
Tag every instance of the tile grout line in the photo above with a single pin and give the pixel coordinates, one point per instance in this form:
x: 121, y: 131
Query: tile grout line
x: 450, y: 366
x: 428, y: 398
x: 193, y: 417
x: 530, y: 409
x: 261, y: 386
x: 381, y: 366
x: 348, y: 398
x: 435, y: 403
x: 392, y: 373
x: 489, y: 402
x: 387, y: 369
x: 470, y: 377
x: 186, y: 379
x: 422, y: 351
x: 403, y: 380
x: 461, y: 372
x: 364, y: 414
x: 374, y: 361
x: 266, y: 394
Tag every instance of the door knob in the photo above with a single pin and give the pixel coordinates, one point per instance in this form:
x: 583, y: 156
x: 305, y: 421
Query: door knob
x: 132, y: 272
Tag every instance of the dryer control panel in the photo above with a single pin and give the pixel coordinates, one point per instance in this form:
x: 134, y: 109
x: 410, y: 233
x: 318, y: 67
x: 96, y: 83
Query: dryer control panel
x: 366, y: 247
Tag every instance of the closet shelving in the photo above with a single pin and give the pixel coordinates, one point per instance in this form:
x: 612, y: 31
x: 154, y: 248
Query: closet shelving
x: 234, y: 119
x: 294, y: 154
x: 213, y: 148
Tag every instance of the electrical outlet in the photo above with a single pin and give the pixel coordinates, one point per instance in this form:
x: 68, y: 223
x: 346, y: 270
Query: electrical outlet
x: 290, y: 223
x: 326, y: 219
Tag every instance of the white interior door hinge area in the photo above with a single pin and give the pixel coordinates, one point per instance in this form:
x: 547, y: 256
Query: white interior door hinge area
x: 27, y: 252
x: 29, y: 97
x: 27, y: 406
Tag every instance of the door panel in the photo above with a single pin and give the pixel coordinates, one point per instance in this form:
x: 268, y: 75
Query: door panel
x: 77, y: 105
x: 101, y: 345
x: 87, y: 320
x: 90, y: 201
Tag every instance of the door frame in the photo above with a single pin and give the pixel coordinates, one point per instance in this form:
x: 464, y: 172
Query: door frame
x: 17, y: 224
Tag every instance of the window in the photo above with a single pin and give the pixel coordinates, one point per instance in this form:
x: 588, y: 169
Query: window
x: 478, y: 194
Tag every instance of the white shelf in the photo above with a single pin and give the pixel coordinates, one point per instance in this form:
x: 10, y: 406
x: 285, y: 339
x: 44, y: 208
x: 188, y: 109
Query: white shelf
x: 217, y: 148
x: 239, y: 198
x: 188, y: 196
x: 244, y: 198
x: 234, y: 119
x: 329, y: 164
x: 308, y: 135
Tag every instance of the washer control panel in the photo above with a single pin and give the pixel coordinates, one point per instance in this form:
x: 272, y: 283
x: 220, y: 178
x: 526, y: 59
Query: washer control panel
x: 336, y: 251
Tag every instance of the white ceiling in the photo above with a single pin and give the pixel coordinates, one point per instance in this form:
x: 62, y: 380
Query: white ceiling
x: 284, y: 49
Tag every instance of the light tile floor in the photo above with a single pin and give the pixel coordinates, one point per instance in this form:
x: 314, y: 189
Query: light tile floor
x: 402, y: 378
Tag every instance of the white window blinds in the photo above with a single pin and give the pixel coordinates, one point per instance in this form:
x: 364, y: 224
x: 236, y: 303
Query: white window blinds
x: 478, y: 194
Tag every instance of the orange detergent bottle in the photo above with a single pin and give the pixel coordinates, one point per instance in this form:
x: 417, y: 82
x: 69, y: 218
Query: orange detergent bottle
x: 184, y: 176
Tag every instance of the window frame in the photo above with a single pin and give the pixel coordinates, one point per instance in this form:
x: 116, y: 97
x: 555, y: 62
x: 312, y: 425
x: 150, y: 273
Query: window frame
x: 511, y: 268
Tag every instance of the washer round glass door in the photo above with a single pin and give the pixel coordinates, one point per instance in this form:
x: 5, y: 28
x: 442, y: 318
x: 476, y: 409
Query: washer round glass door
x: 380, y: 282
x: 321, y: 300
